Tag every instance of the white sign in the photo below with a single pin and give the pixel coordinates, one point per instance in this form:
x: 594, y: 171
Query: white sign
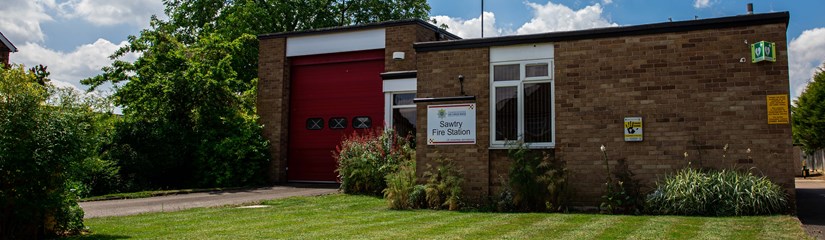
x: 451, y: 124
x: 633, y: 129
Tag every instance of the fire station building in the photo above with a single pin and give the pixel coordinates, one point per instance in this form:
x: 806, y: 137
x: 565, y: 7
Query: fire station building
x: 648, y: 93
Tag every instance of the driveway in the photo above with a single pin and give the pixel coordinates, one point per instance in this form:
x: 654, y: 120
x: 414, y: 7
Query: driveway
x: 194, y: 200
x: 810, y: 206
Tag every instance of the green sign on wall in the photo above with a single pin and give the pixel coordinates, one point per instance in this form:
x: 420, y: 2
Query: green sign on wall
x: 763, y: 51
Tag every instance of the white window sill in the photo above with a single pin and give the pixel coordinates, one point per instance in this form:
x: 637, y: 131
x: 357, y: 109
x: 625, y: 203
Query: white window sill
x: 504, y: 147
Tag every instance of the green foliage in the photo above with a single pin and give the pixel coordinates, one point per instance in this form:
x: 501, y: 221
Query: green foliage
x: 808, y: 114
x: 418, y: 196
x: 47, y: 137
x: 401, y: 186
x: 538, y: 183
x: 366, y: 158
x: 189, y: 121
x: 443, y: 188
x: 622, y: 193
x: 716, y: 193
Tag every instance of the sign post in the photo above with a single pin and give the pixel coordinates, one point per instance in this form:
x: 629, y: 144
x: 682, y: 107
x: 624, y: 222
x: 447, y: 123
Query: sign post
x: 451, y: 124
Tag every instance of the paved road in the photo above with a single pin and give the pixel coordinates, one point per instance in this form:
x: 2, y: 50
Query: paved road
x: 810, y: 206
x: 193, y: 200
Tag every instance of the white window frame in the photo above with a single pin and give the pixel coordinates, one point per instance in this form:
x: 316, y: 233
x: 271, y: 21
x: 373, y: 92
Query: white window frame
x: 519, y: 84
x: 391, y: 106
x: 392, y: 87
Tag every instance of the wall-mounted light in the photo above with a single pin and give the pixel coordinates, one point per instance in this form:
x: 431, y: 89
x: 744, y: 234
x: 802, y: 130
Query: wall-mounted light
x: 461, y: 81
x: 398, y: 55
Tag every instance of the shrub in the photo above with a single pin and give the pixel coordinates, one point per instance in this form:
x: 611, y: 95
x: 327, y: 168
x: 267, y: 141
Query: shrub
x: 401, y: 187
x: 46, y: 134
x: 538, y: 183
x: 716, y: 193
x: 622, y: 194
x: 505, y: 197
x: 443, y: 188
x: 366, y: 158
x: 418, y: 196
x: 232, y: 153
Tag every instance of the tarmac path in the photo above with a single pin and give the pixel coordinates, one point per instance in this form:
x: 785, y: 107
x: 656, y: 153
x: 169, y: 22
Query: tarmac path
x: 123, y: 207
x: 810, y: 206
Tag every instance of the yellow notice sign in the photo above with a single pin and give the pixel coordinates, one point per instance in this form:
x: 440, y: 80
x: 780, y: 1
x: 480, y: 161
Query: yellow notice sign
x: 778, y: 109
x: 633, y: 129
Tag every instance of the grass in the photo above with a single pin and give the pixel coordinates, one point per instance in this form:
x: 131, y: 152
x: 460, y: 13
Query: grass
x: 360, y: 217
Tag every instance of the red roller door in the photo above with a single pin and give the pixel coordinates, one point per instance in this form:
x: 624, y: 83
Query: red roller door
x: 326, y: 89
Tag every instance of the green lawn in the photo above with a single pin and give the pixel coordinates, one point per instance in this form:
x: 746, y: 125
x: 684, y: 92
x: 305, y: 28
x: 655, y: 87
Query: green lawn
x: 358, y: 217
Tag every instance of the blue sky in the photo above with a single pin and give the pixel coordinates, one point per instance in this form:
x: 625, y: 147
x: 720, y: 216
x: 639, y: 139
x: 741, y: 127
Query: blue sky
x: 75, y: 37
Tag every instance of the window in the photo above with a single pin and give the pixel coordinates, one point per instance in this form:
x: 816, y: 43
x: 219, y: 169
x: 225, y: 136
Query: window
x: 403, y: 114
x: 315, y: 123
x: 522, y: 103
x: 361, y: 122
x: 337, y: 123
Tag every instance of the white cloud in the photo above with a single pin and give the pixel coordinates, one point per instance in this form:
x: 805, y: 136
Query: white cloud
x: 471, y: 28
x: 546, y: 18
x: 701, y: 3
x: 606, y: 2
x: 68, y: 68
x: 553, y: 17
x: 20, y: 21
x: 108, y: 12
x: 805, y: 54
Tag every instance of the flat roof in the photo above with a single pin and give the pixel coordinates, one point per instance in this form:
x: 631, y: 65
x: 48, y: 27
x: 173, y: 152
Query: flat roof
x: 420, y: 22
x: 645, y: 29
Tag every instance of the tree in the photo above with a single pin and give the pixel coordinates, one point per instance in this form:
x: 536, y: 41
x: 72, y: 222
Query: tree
x: 188, y: 101
x: 46, y: 136
x: 808, y: 114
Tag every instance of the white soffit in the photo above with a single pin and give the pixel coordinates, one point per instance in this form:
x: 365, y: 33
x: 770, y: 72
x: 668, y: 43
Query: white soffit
x: 521, y: 52
x: 335, y: 42
x: 400, y: 85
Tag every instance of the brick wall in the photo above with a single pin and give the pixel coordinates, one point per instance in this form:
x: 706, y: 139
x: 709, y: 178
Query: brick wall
x: 4, y: 57
x: 438, y: 77
x: 401, y: 39
x: 693, y: 93
x: 690, y: 87
x: 273, y: 102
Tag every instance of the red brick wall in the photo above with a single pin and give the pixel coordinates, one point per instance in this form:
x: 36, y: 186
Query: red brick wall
x: 690, y: 87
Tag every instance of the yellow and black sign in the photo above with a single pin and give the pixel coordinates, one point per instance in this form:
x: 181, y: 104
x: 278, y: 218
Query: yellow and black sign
x: 633, y: 129
x: 778, y: 109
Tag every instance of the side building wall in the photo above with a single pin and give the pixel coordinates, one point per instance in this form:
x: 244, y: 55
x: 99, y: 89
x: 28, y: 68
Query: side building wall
x: 4, y: 56
x: 690, y: 88
x: 693, y: 93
